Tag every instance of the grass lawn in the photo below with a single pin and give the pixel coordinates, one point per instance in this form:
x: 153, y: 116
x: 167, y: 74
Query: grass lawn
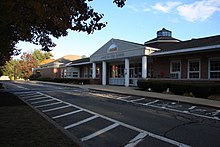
x: 22, y: 126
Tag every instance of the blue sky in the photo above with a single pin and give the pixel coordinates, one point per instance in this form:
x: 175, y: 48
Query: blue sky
x: 138, y: 21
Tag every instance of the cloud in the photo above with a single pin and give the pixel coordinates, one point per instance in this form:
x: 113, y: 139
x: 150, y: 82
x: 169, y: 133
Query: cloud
x: 199, y: 10
x: 133, y: 8
x: 166, y: 7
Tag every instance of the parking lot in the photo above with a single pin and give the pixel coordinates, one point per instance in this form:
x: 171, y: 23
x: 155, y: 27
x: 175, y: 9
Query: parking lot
x: 92, y: 128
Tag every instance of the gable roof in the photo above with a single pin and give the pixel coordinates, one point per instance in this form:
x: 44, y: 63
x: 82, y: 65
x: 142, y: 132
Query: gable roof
x: 116, y: 48
x: 121, y: 44
x: 61, y: 61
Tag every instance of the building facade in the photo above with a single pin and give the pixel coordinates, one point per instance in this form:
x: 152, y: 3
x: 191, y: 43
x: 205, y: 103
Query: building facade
x: 120, y: 62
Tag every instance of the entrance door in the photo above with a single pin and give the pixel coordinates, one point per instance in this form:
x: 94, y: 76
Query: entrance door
x: 131, y: 73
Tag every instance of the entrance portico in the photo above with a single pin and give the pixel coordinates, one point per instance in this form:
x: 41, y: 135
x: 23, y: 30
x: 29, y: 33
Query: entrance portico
x: 122, y: 62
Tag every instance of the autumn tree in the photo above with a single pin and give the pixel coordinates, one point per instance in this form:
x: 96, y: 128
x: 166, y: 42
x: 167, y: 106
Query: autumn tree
x: 35, y: 21
x: 27, y: 62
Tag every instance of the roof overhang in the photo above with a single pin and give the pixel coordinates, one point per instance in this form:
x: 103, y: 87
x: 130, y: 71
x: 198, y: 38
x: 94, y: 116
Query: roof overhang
x: 76, y: 64
x: 186, y: 50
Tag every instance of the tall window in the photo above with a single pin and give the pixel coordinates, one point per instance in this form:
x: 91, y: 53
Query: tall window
x: 175, y: 69
x: 194, y: 69
x: 214, y: 68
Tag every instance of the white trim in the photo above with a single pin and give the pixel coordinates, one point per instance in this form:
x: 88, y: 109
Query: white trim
x: 161, y: 41
x: 82, y: 63
x: 209, y: 66
x: 171, y: 72
x: 196, y: 59
x: 186, y: 50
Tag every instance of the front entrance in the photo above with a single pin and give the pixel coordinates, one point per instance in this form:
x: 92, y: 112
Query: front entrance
x: 132, y: 77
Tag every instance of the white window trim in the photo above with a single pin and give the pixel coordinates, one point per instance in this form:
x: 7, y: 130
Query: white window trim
x: 194, y: 71
x: 209, y: 67
x: 171, y: 72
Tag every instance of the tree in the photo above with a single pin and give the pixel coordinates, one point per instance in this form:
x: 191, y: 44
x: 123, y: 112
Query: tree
x: 35, y: 21
x: 40, y: 56
x: 11, y: 69
x: 27, y: 62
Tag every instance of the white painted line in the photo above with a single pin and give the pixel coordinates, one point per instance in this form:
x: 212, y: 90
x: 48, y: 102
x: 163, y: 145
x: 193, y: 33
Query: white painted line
x: 125, y: 125
x: 150, y: 103
x: 216, y: 113
x: 28, y: 94
x: 123, y: 97
x: 23, y: 92
x: 137, y: 100
x: 38, y: 98
x: 99, y: 132
x: 66, y: 114
x: 57, y: 108
x: 136, y: 140
x: 48, y: 104
x: 31, y: 96
x: 42, y: 101
x: 192, y: 107
x: 81, y: 122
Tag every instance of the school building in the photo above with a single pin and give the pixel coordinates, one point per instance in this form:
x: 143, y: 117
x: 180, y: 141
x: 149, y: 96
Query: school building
x: 120, y: 62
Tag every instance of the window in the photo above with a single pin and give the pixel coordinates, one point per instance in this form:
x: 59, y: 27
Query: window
x: 175, y: 69
x: 194, y: 69
x: 117, y: 71
x: 75, y: 74
x: 214, y: 68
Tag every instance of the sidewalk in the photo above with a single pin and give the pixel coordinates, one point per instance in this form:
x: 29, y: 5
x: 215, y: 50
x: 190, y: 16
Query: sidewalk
x: 134, y: 91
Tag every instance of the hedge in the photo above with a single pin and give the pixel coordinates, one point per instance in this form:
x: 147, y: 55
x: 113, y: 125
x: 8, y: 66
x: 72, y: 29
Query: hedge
x: 61, y: 80
x: 197, y: 88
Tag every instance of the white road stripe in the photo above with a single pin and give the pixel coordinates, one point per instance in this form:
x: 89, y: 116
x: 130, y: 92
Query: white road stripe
x: 38, y: 98
x: 150, y: 103
x: 136, y: 140
x: 57, y: 108
x: 125, y: 125
x: 99, y: 132
x: 137, y: 100
x: 192, y: 107
x: 81, y: 122
x: 216, y: 113
x: 31, y: 96
x: 123, y: 97
x: 66, y: 114
x: 48, y: 104
x: 26, y: 95
x: 42, y: 101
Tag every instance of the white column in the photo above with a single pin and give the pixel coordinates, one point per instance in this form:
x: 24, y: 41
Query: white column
x: 93, y: 70
x: 144, y: 67
x: 103, y: 73
x: 126, y: 72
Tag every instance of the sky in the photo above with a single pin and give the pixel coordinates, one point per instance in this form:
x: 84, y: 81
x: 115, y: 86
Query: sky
x: 138, y: 21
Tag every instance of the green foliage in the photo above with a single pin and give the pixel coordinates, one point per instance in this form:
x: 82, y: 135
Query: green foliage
x: 40, y: 56
x: 201, y: 89
x: 36, y: 21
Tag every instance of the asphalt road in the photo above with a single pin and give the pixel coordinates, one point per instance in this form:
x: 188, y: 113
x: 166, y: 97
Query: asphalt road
x: 106, y: 119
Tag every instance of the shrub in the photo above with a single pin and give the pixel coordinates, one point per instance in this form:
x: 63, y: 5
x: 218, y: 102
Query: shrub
x: 73, y: 81
x: 201, y: 89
